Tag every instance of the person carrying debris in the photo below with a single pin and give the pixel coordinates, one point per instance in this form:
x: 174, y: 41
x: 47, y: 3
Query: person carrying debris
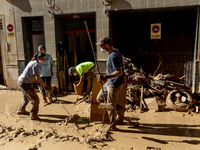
x: 30, y: 75
x: 81, y: 69
x: 46, y: 73
x: 114, y: 78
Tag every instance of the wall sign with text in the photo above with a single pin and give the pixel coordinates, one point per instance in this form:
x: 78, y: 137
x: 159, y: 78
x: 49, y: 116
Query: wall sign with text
x: 156, y: 31
x: 10, y: 29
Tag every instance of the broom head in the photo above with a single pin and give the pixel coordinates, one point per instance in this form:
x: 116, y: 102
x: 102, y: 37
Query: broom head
x: 72, y: 118
x: 105, y: 106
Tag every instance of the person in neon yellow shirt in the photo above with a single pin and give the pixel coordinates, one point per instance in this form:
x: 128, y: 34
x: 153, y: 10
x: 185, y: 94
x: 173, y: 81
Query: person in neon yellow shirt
x: 80, y: 70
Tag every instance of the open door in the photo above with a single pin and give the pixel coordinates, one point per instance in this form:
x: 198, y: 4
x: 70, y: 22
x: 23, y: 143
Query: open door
x: 78, y: 49
x: 71, y: 33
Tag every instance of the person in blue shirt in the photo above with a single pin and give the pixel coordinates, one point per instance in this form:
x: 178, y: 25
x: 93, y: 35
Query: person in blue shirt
x: 46, y: 73
x: 114, y: 78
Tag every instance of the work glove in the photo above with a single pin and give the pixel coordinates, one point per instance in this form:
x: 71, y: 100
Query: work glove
x: 101, y: 78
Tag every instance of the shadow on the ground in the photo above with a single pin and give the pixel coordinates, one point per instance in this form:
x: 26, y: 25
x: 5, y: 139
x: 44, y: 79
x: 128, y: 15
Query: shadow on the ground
x: 155, y: 140
x: 165, y: 129
x: 194, y: 142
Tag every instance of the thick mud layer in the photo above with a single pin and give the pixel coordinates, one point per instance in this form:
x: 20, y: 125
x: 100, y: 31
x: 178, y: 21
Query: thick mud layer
x: 165, y: 130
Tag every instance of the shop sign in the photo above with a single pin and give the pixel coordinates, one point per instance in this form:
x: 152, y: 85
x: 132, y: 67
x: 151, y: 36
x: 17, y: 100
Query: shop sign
x: 156, y: 31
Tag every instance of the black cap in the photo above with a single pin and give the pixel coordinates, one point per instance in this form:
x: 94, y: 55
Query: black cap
x: 105, y: 40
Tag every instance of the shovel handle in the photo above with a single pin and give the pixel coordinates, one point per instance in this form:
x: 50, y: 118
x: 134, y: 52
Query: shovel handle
x: 68, y: 67
x: 60, y: 102
x: 85, y: 22
x: 64, y: 108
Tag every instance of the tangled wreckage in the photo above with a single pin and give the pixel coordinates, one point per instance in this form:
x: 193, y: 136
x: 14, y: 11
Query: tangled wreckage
x: 161, y: 92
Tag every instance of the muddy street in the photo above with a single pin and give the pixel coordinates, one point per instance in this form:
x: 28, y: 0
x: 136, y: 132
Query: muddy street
x: 166, y: 130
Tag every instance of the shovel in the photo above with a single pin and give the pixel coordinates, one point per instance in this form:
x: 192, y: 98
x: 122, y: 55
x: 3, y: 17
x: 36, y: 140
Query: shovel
x: 70, y: 86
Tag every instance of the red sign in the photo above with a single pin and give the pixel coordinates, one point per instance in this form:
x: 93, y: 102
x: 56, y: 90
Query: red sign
x: 155, y: 29
x: 10, y: 27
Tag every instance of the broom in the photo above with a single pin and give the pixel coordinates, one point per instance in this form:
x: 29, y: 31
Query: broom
x: 102, y: 105
x: 71, y: 118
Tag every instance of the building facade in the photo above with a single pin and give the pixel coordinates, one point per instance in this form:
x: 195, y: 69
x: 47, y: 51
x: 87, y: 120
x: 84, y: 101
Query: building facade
x: 8, y: 46
x: 140, y: 29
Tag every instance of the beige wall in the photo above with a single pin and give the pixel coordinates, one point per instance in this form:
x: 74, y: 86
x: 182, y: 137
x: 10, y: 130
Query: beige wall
x: 9, y: 57
x: 30, y: 8
x: 40, y: 8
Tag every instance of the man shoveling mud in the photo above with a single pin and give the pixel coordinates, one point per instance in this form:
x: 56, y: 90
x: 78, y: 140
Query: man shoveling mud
x: 82, y: 69
x: 114, y: 78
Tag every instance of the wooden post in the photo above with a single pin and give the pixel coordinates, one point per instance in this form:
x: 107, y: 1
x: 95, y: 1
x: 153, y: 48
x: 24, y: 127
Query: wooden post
x: 141, y: 98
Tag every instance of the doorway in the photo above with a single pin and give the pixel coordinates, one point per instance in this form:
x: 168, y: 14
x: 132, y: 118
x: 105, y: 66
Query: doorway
x: 76, y: 47
x: 33, y: 36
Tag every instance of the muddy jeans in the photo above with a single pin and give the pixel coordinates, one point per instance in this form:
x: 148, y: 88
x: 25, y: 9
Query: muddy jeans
x: 29, y: 95
x: 46, y: 80
x: 111, y: 95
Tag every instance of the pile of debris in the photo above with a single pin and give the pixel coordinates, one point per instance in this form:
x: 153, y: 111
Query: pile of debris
x: 99, y: 134
x: 86, y: 98
x: 164, y: 91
